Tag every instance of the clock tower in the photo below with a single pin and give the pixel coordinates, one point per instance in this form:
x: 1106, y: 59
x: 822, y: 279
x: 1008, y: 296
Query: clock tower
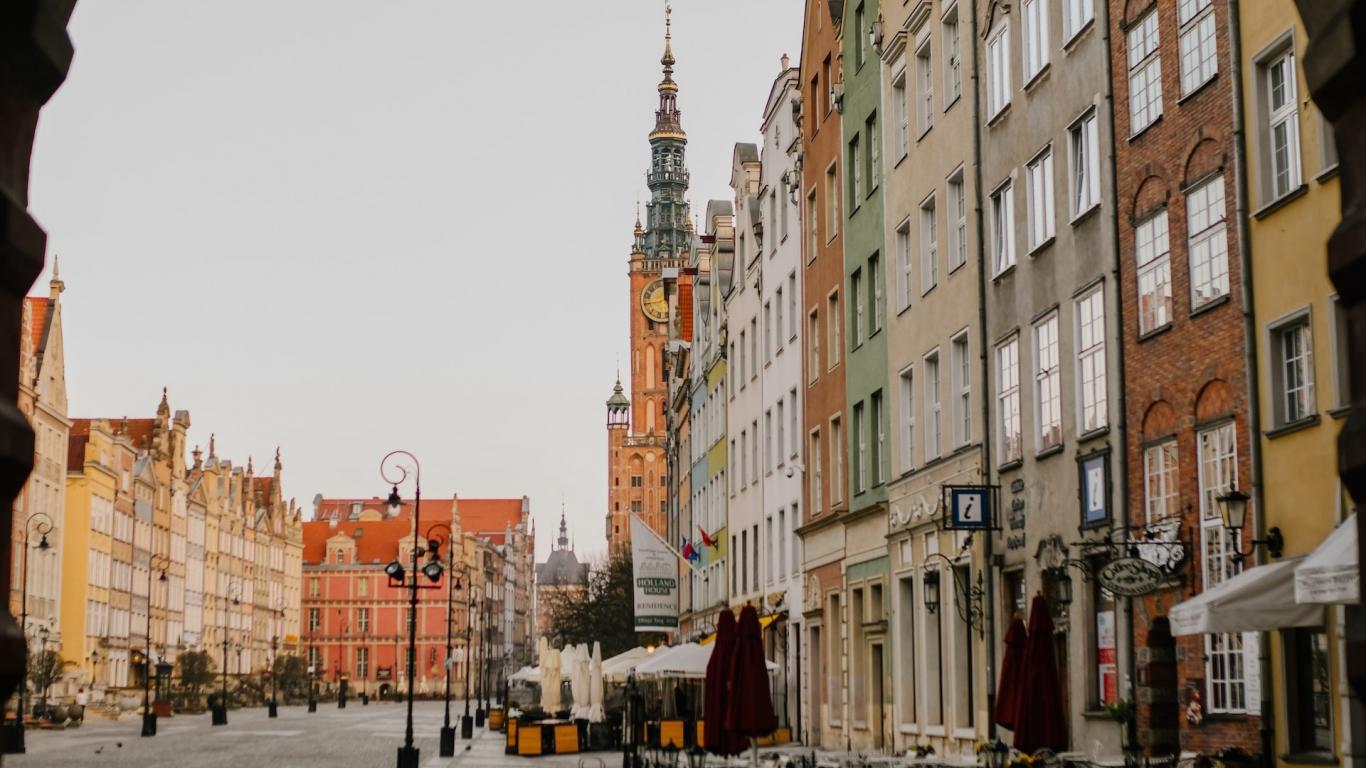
x: 637, y: 481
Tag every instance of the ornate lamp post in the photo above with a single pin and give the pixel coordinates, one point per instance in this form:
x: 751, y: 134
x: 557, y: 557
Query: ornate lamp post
x: 149, y: 718
x: 42, y: 524
x: 447, y: 740
x: 466, y: 721
x: 395, y: 474
x: 220, y: 712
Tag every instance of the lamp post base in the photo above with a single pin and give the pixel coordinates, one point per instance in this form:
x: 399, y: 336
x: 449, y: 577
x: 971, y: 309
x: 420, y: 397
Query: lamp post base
x: 466, y: 727
x: 149, y: 724
x: 312, y: 705
x: 407, y: 757
x: 14, y: 739
x: 272, y: 709
x: 341, y: 701
x: 365, y: 699
x: 447, y: 741
x: 479, y: 718
x: 220, y: 714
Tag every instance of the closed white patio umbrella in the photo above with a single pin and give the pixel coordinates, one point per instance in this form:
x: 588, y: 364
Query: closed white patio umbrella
x: 550, y: 681
x: 595, y: 713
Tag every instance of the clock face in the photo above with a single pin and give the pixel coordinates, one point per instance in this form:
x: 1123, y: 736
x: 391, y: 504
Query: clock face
x: 653, y: 303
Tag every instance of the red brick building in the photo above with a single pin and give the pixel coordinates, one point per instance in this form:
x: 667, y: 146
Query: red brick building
x: 355, y: 623
x: 1185, y: 355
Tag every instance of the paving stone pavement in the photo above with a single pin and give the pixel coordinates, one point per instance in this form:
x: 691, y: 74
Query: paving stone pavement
x: 331, y: 737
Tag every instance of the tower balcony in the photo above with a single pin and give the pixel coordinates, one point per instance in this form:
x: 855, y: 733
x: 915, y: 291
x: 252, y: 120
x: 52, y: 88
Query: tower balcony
x: 667, y: 176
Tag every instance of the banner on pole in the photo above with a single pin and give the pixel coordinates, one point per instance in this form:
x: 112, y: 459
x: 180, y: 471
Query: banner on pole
x: 654, y: 577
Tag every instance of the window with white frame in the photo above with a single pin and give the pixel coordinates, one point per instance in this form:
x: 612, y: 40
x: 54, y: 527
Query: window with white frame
x: 812, y: 226
x: 813, y: 346
x: 1076, y: 14
x: 924, y: 89
x: 900, y: 112
x: 1008, y: 396
x: 767, y: 457
x: 1292, y: 372
x: 832, y: 203
x: 794, y: 413
x: 877, y: 301
x: 953, y: 63
x: 1002, y: 229
x: 905, y: 265
x: 929, y: 247
x: 878, y: 428
x: 1161, y: 492
x: 1039, y: 175
x: 1153, y: 254
x: 907, y: 427
x: 768, y: 332
x: 777, y: 331
x: 1035, y: 37
x: 1283, y: 124
x: 814, y: 475
x: 962, y: 391
x: 780, y: 456
x: 857, y: 328
x: 833, y: 350
x: 998, y: 70
x: 1145, y: 74
x: 792, y: 318
x: 1047, y: 384
x: 836, y: 461
x: 958, y: 222
x: 1208, y: 241
x: 1225, y: 667
x: 1084, y: 163
x: 933, y: 407
x: 1199, y: 59
x: 1091, y: 361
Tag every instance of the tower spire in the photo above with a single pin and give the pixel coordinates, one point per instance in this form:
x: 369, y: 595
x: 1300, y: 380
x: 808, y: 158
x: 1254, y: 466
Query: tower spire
x: 667, y: 118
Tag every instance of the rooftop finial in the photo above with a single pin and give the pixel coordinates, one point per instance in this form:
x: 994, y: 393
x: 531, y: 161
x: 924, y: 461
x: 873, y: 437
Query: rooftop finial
x: 278, y: 466
x: 667, y: 122
x: 213, y: 440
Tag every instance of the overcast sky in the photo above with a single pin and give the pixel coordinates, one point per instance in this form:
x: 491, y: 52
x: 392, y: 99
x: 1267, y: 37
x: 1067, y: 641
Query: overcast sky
x: 348, y: 227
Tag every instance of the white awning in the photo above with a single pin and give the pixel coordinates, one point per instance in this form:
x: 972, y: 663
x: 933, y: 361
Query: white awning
x: 1331, y: 574
x: 1256, y: 600
x: 526, y: 675
x: 615, y: 669
x: 688, y: 660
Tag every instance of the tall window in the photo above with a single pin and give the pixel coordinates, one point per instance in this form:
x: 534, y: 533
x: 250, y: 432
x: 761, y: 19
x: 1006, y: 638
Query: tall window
x: 836, y: 461
x: 362, y: 663
x: 832, y: 203
x: 1084, y: 164
x: 998, y: 70
x: 754, y: 451
x: 1076, y: 14
x: 1224, y: 662
x: 873, y: 153
x: 1002, y: 229
x: 1047, y: 384
x: 768, y: 332
x: 876, y: 301
x: 854, y: 162
x: 1040, y: 176
x: 1309, y: 698
x: 904, y: 263
x: 933, y: 407
x: 314, y: 619
x: 924, y: 89
x: 1208, y: 244
x: 901, y: 112
x: 813, y: 345
x: 779, y: 456
x: 953, y: 63
x: 929, y: 247
x: 753, y: 348
x: 777, y: 331
x: 1161, y: 492
x: 958, y: 222
x: 833, y: 353
x: 962, y: 391
x: 812, y: 226
x: 814, y: 477
x: 1199, y: 59
x: 1091, y: 360
x: 857, y: 328
x: 907, y: 430
x: 1145, y: 74
x: 860, y: 449
x: 768, y: 441
x: 877, y: 425
x: 1008, y: 395
x: 792, y: 318
x: 1152, y: 251
x: 1035, y: 37
x: 1283, y: 125
x: 363, y: 619
x: 860, y: 53
x: 1292, y: 375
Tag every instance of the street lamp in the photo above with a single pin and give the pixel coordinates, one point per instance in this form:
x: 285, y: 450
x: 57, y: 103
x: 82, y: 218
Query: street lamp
x: 149, y: 718
x: 220, y: 712
x: 395, y: 473
x: 447, y: 741
x: 273, y: 710
x: 1233, y: 508
x: 40, y: 522
x: 467, y: 722
x: 43, y: 634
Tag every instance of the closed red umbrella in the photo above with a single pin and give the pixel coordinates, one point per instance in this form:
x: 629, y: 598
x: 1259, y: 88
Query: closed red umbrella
x: 717, y: 691
x: 750, y: 714
x: 1012, y: 675
x: 1040, y: 721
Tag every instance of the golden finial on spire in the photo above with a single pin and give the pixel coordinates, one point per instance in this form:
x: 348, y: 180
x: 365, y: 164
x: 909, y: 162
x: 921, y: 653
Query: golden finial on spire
x: 668, y: 59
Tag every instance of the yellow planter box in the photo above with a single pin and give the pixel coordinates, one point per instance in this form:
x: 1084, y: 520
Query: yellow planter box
x: 566, y: 739
x: 529, y: 740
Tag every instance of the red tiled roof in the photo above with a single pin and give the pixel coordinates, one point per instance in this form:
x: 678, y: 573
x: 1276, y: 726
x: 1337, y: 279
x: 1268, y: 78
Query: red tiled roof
x: 75, y: 450
x: 378, y: 540
x: 490, y: 518
x: 486, y: 518
x: 38, y: 315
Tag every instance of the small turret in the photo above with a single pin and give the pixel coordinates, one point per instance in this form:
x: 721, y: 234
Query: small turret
x: 618, y: 408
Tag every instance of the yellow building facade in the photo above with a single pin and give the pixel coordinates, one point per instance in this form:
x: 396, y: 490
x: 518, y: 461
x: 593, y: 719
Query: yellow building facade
x: 1293, y: 205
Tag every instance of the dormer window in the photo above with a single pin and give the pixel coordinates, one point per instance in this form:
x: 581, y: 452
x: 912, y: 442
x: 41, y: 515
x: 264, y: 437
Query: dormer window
x: 341, y: 557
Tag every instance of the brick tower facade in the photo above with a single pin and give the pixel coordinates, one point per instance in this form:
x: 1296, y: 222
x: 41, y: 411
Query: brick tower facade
x: 637, y: 472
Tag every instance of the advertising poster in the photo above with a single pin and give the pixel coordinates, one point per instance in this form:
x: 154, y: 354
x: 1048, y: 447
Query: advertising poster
x: 654, y: 578
x: 1106, y: 666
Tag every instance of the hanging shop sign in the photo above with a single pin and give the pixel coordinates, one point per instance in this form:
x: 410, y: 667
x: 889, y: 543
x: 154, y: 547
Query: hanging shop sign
x: 970, y: 507
x: 1130, y: 577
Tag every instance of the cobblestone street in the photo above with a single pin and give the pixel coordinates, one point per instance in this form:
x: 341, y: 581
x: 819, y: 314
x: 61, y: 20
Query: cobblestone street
x: 355, y: 736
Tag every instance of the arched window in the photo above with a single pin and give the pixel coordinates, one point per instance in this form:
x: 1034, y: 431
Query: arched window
x: 649, y: 415
x: 649, y: 366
